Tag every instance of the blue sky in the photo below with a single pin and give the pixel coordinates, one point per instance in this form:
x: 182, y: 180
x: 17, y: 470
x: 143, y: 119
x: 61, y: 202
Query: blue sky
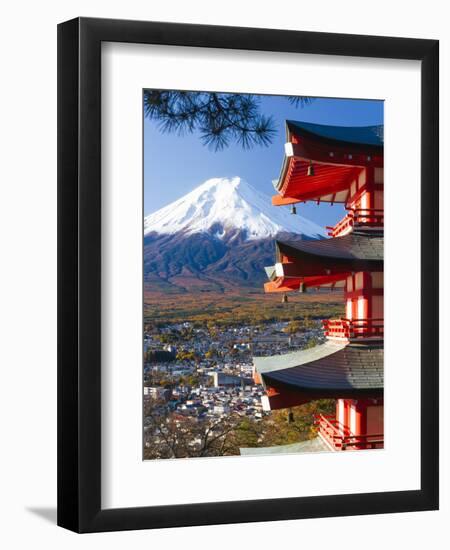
x: 175, y: 165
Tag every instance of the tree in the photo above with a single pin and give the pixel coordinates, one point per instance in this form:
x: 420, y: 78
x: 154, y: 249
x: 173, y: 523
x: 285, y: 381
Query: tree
x: 293, y: 327
x: 311, y: 343
x: 221, y: 118
x: 174, y: 436
x: 212, y: 329
x: 211, y: 353
x: 171, y: 435
x: 184, y: 355
x: 284, y: 427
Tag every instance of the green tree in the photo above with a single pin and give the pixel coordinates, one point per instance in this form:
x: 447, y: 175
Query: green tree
x: 293, y: 327
x: 311, y: 343
x: 186, y: 356
x: 292, y: 425
x: 211, y: 353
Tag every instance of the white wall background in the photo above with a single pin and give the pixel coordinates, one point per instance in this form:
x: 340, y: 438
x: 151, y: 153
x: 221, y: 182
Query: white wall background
x: 28, y: 270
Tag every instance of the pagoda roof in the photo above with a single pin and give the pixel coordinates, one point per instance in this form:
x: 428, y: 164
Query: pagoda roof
x: 338, y: 155
x: 358, y: 245
x: 289, y: 284
x: 316, y: 445
x: 357, y: 251
x: 326, y: 370
x: 357, y: 135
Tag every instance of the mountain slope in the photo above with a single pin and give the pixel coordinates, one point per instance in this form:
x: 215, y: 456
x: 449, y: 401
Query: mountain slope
x: 218, y: 236
x: 221, y: 205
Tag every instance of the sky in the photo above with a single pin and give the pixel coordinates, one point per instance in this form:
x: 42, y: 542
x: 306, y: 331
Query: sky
x: 174, y: 165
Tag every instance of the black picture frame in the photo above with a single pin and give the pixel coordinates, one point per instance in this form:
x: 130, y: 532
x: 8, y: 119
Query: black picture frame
x: 79, y: 274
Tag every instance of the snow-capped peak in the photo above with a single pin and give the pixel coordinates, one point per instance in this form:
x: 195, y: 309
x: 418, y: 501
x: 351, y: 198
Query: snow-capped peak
x: 228, y: 204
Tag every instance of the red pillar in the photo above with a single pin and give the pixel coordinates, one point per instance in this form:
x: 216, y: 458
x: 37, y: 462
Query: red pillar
x: 360, y: 426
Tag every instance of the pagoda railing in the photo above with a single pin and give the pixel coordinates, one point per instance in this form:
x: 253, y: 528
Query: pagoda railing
x: 357, y: 217
x: 353, y: 328
x: 340, y: 438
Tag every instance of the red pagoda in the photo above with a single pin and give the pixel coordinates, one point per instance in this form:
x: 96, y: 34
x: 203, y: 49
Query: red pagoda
x: 344, y: 165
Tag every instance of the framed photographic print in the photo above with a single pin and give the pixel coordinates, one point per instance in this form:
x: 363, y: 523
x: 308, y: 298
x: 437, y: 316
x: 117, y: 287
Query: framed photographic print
x: 248, y: 275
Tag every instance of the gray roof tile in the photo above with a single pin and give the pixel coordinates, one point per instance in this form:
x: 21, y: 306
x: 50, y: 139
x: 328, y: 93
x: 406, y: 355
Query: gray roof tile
x: 354, y: 246
x: 350, y: 368
x: 358, y: 135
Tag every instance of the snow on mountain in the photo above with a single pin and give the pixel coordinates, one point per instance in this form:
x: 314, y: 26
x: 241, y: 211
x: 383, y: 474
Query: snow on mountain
x: 222, y: 206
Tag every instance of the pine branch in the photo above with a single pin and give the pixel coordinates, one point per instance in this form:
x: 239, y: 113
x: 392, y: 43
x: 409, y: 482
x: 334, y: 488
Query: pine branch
x: 220, y: 118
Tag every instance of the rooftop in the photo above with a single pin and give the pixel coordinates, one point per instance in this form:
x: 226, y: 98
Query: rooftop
x: 321, y: 162
x: 353, y: 246
x: 358, y: 135
x: 326, y: 261
x: 326, y: 368
x: 315, y: 445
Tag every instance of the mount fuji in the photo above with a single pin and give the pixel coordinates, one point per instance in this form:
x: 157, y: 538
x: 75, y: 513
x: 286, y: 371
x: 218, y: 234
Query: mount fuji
x: 220, y: 235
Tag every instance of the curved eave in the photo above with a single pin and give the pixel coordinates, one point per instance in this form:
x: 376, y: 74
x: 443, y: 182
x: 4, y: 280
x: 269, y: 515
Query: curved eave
x: 326, y: 370
x: 293, y: 284
x: 315, y: 445
x: 330, y: 182
x: 265, y: 365
x: 303, y: 267
x: 306, y: 393
x: 357, y: 136
x: 278, y: 184
x: 355, y: 246
x: 338, y: 154
x: 295, y: 261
